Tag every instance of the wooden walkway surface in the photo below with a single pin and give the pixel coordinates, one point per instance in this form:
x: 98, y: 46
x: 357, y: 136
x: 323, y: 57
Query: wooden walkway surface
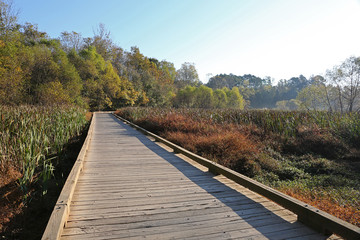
x: 133, y: 188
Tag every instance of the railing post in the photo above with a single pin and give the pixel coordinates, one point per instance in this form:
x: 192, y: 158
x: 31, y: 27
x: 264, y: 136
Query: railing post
x: 314, y: 224
x: 212, y: 170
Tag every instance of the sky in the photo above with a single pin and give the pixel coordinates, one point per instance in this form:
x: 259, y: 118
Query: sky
x: 277, y: 38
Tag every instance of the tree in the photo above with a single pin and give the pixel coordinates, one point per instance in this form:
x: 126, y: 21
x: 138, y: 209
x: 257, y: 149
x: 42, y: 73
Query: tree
x: 168, y: 72
x: 51, y: 64
x: 220, y: 98
x: 264, y: 97
x: 254, y: 81
x: 150, y: 76
x: 292, y: 104
x: 8, y: 20
x: 235, y: 100
x: 185, y: 97
x: 102, y: 41
x: 31, y: 34
x: 13, y: 77
x: 257, y: 92
x: 103, y: 87
x: 203, y: 97
x: 71, y: 40
x: 346, y: 79
x: 187, y: 75
x: 68, y: 75
x: 318, y: 95
x: 44, y: 70
x: 13, y: 55
x: 312, y: 98
x: 118, y: 60
x: 225, y: 80
x: 51, y: 93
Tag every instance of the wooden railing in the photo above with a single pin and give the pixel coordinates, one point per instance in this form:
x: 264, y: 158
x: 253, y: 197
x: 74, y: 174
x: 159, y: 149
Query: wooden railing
x: 62, y: 207
x: 309, y: 215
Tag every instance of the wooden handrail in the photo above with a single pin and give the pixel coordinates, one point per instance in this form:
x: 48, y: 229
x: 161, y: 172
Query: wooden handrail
x: 62, y: 207
x: 309, y: 215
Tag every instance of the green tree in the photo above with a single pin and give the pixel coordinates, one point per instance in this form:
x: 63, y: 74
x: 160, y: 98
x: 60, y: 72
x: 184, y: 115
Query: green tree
x: 102, y: 42
x: 13, y: 57
x: 203, y: 97
x: 51, y: 93
x: 185, y: 97
x: 317, y: 96
x: 68, y: 75
x: 150, y: 77
x: 235, y: 100
x: 44, y: 70
x: 225, y: 80
x: 103, y: 87
x: 51, y: 64
x: 13, y: 77
x: 220, y: 98
x: 264, y: 97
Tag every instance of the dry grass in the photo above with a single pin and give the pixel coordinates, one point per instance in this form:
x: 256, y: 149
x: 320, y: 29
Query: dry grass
x: 307, y: 156
x: 345, y: 212
x: 233, y: 150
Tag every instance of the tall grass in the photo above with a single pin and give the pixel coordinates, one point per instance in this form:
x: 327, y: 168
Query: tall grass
x: 313, y: 156
x: 32, y: 136
x: 286, y: 123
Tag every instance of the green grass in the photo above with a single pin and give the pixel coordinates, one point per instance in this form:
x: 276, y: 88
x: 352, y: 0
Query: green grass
x: 31, y: 137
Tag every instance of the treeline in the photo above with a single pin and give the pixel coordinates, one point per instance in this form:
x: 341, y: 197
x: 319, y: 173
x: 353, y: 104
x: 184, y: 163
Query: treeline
x: 95, y: 73
x: 258, y: 92
x: 338, y: 90
x: 205, y: 97
x: 89, y: 72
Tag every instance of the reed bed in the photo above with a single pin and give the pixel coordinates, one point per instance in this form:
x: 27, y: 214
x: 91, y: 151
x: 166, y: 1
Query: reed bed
x: 286, y: 123
x: 32, y: 136
x: 313, y: 156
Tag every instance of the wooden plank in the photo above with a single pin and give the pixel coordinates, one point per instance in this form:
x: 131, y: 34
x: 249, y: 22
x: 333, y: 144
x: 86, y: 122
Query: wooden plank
x: 184, y: 230
x: 188, y: 215
x: 154, y: 184
x: 183, y: 211
x: 155, y: 200
x: 244, y: 207
x: 56, y: 222
x: 125, y: 187
x: 106, y: 225
x: 168, y: 189
x: 154, y: 193
x: 283, y: 234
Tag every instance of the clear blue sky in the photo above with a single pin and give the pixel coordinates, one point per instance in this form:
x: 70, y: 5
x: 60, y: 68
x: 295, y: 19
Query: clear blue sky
x: 276, y: 38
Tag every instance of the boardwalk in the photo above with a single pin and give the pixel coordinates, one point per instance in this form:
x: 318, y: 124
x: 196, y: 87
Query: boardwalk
x: 132, y: 188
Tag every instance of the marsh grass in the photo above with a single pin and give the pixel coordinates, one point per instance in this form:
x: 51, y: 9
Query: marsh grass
x: 313, y: 156
x: 32, y: 136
